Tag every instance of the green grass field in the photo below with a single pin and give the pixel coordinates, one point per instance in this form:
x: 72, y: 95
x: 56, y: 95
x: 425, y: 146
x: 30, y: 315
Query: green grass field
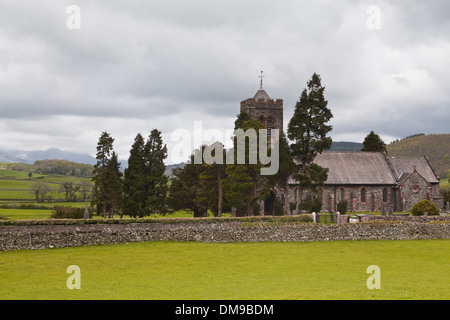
x: 25, y: 214
x: 16, y: 185
x: 445, y: 183
x: 183, y: 271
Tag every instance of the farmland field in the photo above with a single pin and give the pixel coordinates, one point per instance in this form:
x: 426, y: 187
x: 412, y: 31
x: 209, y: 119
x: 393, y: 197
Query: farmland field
x: 16, y: 186
x: 25, y: 214
x: 171, y: 270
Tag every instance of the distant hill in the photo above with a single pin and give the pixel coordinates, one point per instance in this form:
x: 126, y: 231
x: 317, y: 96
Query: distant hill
x: 436, y: 147
x: 171, y: 167
x: 30, y: 157
x: 346, y: 146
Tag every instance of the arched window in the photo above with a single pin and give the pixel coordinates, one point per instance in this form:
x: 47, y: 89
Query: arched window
x: 363, y: 195
x: 341, y: 194
x: 296, y: 194
x: 261, y: 120
x: 385, y: 195
x: 320, y: 194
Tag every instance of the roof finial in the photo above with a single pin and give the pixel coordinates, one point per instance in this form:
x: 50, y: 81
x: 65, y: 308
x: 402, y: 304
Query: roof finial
x: 261, y: 76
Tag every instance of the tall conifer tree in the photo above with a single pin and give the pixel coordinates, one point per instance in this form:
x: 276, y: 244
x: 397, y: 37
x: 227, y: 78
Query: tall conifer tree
x: 114, y: 193
x: 134, y: 183
x: 100, y: 175
x: 155, y: 152
x: 308, y: 130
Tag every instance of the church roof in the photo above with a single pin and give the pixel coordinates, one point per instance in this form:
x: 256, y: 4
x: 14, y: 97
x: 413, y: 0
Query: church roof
x: 404, y: 166
x: 261, y: 94
x: 370, y: 168
x: 356, y: 168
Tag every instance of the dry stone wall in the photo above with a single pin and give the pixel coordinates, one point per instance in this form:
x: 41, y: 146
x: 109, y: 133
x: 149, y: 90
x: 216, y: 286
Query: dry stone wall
x: 55, y: 236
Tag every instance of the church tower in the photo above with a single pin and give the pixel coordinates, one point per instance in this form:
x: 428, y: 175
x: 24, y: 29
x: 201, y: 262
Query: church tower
x: 265, y: 109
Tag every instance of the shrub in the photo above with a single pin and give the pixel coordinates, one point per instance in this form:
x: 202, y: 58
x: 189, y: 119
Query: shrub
x: 3, y: 217
x: 67, y: 213
x: 311, y: 205
x: 424, y: 206
x: 292, y: 206
x: 305, y: 218
x: 278, y: 207
x: 446, y: 194
x: 342, y: 207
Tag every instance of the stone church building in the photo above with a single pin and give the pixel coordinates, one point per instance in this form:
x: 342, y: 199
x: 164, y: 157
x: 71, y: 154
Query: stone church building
x: 369, y: 181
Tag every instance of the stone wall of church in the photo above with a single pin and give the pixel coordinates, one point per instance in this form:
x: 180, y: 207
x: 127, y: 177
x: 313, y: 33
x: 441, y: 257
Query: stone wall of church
x: 414, y: 189
x: 359, y: 198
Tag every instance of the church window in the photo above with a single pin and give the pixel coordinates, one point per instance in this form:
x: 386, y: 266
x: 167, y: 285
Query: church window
x: 296, y: 194
x: 261, y: 120
x: 320, y: 194
x: 415, y: 189
x: 363, y: 195
x: 341, y: 194
x: 385, y: 195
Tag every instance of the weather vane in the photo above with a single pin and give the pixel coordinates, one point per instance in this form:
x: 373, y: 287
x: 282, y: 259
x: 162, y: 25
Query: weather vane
x: 261, y: 76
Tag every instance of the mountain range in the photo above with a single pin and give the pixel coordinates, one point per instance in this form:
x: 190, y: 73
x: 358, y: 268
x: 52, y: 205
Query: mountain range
x: 30, y: 157
x: 436, y: 147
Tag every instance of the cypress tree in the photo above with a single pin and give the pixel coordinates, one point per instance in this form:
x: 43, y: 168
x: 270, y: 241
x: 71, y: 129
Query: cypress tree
x: 100, y: 176
x: 156, y: 188
x: 308, y: 131
x: 134, y: 185
x: 113, y: 186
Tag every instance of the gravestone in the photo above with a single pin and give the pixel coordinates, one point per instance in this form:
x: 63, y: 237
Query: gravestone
x: 332, y: 217
x: 391, y: 211
x: 425, y: 213
x: 447, y: 207
x: 86, y: 210
x: 383, y: 211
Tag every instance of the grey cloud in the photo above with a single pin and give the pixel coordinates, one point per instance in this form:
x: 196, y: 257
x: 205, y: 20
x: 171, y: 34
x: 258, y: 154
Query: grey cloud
x: 153, y: 63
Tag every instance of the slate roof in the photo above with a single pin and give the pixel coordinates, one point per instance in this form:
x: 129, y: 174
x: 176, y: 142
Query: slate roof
x: 370, y: 168
x: 261, y: 94
x: 404, y: 166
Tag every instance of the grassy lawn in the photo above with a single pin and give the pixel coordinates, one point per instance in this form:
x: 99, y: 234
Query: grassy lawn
x: 25, y: 214
x: 171, y: 270
x: 17, y: 185
x: 14, y: 174
x: 445, y: 183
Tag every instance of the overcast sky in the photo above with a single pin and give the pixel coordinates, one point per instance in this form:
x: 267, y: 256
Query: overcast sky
x: 138, y: 65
